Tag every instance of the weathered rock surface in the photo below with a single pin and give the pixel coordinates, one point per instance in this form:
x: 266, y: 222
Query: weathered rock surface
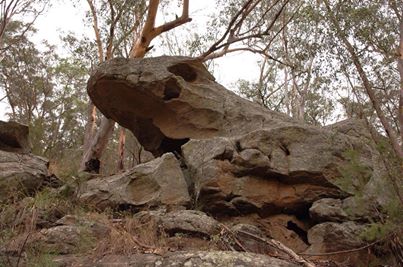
x: 331, y: 236
x: 71, y: 235
x: 241, y: 159
x: 189, y: 222
x: 21, y: 174
x: 287, y: 229
x: 280, y: 170
x: 252, y: 239
x: 166, y: 100
x: 158, y: 182
x: 14, y: 137
x: 328, y: 209
x: 334, y: 237
x: 187, y: 259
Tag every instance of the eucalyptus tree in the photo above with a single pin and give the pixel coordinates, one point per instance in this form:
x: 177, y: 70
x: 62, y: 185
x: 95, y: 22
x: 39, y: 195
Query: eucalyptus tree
x: 368, y: 35
x: 293, y: 77
x: 17, y: 10
x: 116, y: 24
x: 43, y: 91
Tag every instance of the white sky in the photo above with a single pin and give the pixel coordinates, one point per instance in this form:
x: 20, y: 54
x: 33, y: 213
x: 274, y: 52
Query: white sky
x: 63, y: 17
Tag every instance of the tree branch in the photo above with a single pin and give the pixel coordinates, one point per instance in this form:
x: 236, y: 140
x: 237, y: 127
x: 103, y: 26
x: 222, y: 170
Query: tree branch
x: 96, y: 30
x: 149, y: 31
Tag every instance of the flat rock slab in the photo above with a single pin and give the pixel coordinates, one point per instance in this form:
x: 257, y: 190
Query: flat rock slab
x: 158, y: 182
x: 191, y: 222
x: 187, y: 259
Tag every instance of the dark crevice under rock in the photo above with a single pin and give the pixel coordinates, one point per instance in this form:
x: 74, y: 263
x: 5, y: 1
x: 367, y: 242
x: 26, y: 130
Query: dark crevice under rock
x: 298, y: 230
x: 172, y: 145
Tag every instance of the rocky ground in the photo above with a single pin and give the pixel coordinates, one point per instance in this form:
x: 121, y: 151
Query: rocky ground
x: 232, y: 184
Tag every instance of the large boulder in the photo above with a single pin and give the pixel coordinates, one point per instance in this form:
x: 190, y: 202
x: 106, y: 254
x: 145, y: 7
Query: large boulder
x: 158, y: 182
x: 21, y: 174
x: 240, y: 158
x: 14, y: 137
x: 278, y: 170
x: 165, y: 101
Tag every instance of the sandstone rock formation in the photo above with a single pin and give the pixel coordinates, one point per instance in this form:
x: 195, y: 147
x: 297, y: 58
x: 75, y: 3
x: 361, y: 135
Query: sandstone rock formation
x: 204, y: 258
x: 328, y: 209
x: 188, y: 222
x: 165, y: 101
x: 21, y: 173
x: 241, y: 160
x: 158, y: 182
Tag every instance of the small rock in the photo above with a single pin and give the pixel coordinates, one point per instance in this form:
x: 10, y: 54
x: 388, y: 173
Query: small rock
x: 328, y: 209
x: 331, y: 236
x: 189, y: 222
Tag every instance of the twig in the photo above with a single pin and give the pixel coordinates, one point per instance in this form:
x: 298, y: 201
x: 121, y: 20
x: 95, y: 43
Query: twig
x: 234, y: 237
x: 278, y: 245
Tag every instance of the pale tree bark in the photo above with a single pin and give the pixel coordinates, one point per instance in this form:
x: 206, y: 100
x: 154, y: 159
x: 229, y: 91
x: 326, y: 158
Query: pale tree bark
x: 393, y: 137
x: 149, y: 32
x: 95, y: 26
x: 303, y: 93
x: 90, y: 126
x: 296, y: 98
x: 286, y: 81
x: 96, y: 142
x: 98, y: 145
x: 293, y: 101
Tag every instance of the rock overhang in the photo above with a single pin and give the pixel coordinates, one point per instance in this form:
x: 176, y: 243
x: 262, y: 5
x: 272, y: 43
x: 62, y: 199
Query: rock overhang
x: 145, y: 96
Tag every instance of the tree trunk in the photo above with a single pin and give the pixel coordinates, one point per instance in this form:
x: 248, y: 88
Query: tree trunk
x: 393, y: 137
x: 121, y: 149
x: 90, y: 161
x: 90, y: 126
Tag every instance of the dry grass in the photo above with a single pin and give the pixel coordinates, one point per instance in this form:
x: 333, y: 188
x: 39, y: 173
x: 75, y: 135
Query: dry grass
x: 128, y: 236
